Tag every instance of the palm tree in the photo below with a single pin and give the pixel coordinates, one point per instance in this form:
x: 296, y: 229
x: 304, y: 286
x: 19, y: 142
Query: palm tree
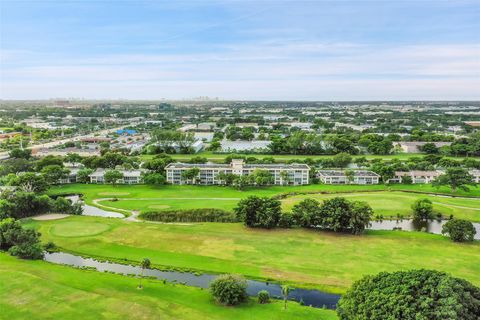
x: 285, y: 292
x: 145, y: 265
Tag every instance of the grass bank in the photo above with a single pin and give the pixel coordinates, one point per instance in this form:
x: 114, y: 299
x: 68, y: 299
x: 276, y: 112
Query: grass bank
x: 40, y: 290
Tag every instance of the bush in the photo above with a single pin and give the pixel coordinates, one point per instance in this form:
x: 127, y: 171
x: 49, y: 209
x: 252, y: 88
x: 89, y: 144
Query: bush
x: 459, y: 230
x: 263, y: 297
x: 259, y: 212
x: 422, y: 209
x: 410, y: 295
x: 23, y: 243
x: 229, y: 289
x: 193, y: 215
x: 287, y: 220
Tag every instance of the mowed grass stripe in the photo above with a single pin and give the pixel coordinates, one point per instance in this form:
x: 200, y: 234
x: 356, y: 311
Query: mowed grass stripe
x: 325, y: 260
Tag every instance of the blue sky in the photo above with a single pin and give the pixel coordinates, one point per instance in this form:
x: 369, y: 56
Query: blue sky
x: 265, y: 50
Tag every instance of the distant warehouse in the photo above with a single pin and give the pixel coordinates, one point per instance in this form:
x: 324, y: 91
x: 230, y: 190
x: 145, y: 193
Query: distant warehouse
x: 283, y: 174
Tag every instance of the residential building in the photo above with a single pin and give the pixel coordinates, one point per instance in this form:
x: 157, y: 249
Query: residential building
x: 43, y: 152
x: 340, y: 177
x: 129, y: 176
x: 416, y: 176
x: 72, y: 176
x: 293, y: 174
x: 414, y: 146
x: 476, y: 175
x: 244, y: 145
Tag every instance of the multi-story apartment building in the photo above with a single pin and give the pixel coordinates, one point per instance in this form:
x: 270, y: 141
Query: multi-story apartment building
x: 129, y: 176
x: 340, y: 177
x: 283, y: 174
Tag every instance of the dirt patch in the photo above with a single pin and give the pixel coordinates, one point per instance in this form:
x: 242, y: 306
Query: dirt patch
x: 51, y: 216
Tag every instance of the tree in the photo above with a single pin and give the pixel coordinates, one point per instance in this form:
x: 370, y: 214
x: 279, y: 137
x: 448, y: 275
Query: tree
x: 429, y: 148
x: 335, y: 214
x: 48, y: 161
x: 261, y: 177
x: 410, y: 295
x: 361, y: 213
x: 459, y: 230
x: 259, y: 212
x: 229, y: 289
x: 422, y: 209
x: 306, y: 213
x: 349, y: 174
x: 21, y: 204
x: 456, y: 178
x: 263, y: 297
x: 191, y: 175
x: 73, y: 157
x: 30, y: 182
x: 83, y: 175
x: 154, y: 178
x: 342, y: 159
x: 54, y: 173
x: 23, y: 243
x: 285, y: 177
x: 145, y: 265
x: 285, y: 293
x: 20, y: 153
x: 112, y: 176
x: 227, y: 178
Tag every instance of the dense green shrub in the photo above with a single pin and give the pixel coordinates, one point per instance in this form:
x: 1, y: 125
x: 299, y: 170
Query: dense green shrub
x: 422, y: 209
x: 459, y: 230
x: 287, y: 220
x: 263, y: 297
x: 20, y: 242
x: 410, y: 295
x: 259, y: 212
x: 229, y: 289
x: 192, y: 215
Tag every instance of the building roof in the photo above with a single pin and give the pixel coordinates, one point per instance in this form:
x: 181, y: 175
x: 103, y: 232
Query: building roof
x: 100, y: 172
x: 339, y: 173
x: 417, y: 173
x: 180, y: 165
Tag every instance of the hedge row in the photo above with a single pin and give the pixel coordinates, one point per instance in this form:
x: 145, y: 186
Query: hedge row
x: 192, y: 215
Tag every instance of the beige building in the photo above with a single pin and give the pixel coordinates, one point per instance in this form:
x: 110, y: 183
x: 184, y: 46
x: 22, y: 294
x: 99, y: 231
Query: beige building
x: 292, y: 174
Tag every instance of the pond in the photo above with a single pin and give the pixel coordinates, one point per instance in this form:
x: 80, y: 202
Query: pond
x: 94, y: 211
x: 310, y: 297
x: 432, y: 226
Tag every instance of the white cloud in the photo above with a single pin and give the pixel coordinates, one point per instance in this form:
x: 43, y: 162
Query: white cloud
x: 264, y: 70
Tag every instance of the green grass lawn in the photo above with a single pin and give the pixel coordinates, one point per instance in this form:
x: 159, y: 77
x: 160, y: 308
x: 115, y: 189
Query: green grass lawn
x: 323, y: 260
x: 393, y: 203
x: 40, y: 290
x: 217, y: 157
x: 173, y: 197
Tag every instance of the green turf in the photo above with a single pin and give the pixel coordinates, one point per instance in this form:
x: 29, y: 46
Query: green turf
x: 389, y: 204
x: 40, y: 290
x: 327, y: 261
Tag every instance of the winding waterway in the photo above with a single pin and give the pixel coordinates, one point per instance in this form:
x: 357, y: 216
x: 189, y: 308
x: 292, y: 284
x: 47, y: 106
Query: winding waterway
x: 310, y: 297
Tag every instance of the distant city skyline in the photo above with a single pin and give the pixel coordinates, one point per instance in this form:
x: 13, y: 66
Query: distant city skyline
x: 240, y: 50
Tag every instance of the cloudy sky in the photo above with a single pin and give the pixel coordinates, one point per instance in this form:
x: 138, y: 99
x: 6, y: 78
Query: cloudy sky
x: 265, y: 50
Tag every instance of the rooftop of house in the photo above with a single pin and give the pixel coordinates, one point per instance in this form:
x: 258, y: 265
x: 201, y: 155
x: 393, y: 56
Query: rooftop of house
x: 180, y: 165
x: 339, y: 173
x: 418, y: 173
x: 100, y: 172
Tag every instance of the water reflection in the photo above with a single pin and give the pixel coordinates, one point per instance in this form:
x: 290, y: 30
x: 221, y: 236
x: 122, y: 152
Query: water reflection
x: 432, y: 226
x: 314, y: 298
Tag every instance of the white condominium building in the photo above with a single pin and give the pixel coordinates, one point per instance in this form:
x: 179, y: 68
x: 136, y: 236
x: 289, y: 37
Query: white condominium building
x: 283, y: 174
